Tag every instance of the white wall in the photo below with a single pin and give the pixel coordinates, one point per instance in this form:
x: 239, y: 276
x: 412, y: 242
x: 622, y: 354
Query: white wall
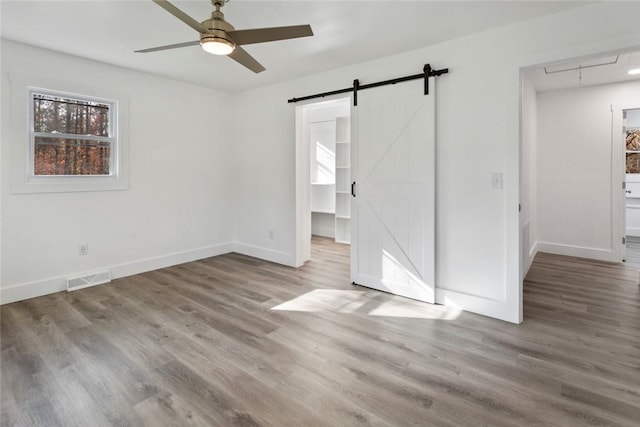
x: 477, y: 228
x: 528, y: 196
x: 178, y: 206
x: 323, y: 224
x: 178, y: 210
x: 574, y: 174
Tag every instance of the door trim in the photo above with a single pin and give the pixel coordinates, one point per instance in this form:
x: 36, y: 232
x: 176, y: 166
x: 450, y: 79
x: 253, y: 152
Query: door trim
x: 303, y: 179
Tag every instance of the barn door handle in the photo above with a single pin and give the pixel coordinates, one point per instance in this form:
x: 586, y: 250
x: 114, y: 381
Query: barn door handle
x: 353, y: 189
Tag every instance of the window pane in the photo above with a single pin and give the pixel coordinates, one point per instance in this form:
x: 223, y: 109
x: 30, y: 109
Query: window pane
x: 633, y: 140
x: 633, y: 162
x: 68, y: 115
x: 61, y: 156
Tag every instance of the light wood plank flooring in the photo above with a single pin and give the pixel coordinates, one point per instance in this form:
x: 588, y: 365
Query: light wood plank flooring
x: 233, y: 340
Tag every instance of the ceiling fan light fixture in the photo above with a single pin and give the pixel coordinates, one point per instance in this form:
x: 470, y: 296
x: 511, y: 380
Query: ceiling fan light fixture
x: 219, y: 37
x: 217, y: 45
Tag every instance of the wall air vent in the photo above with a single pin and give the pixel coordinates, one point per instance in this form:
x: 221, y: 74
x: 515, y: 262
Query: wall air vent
x: 92, y: 279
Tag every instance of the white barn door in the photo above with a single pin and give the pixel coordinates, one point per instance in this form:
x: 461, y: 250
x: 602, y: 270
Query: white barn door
x: 393, y: 213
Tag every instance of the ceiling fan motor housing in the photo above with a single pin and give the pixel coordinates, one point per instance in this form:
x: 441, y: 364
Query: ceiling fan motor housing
x: 216, y: 29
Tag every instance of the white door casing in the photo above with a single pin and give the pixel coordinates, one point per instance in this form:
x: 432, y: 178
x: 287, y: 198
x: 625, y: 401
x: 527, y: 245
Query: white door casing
x: 393, y: 213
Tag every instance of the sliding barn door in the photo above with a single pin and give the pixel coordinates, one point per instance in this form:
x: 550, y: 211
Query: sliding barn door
x: 394, y: 169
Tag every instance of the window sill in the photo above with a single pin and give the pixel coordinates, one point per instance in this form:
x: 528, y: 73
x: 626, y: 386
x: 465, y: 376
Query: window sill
x: 68, y: 185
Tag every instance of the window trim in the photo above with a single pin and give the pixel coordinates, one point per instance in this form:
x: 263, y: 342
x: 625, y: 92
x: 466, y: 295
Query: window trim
x: 23, y: 179
x: 112, y: 130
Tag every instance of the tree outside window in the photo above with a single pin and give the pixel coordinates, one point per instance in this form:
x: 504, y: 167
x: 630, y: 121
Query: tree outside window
x: 71, y: 135
x: 633, y: 151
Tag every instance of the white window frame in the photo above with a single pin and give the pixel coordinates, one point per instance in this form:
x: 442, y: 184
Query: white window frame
x: 22, y: 136
x: 111, y: 139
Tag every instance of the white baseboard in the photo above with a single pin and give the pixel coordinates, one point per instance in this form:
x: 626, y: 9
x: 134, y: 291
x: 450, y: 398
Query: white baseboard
x: 533, y: 251
x: 38, y: 288
x: 475, y: 304
x: 266, y: 254
x: 34, y: 289
x: 577, y: 251
x: 532, y: 254
x: 324, y: 232
x: 23, y: 291
x: 155, y: 263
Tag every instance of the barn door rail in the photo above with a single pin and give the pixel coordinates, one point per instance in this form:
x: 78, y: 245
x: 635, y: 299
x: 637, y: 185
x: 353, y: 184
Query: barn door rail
x: 427, y: 72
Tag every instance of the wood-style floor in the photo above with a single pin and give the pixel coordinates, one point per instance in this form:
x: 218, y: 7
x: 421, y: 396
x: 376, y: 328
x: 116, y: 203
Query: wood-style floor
x: 233, y: 340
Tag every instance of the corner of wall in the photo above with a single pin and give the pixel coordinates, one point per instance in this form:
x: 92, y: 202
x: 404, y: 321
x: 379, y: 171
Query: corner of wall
x: 266, y: 254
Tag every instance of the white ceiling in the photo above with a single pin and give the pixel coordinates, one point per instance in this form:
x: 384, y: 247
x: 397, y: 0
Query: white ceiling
x: 346, y: 32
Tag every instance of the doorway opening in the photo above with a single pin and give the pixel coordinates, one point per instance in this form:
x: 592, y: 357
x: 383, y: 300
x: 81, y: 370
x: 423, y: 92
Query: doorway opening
x: 574, y: 158
x: 323, y: 133
x: 631, y: 135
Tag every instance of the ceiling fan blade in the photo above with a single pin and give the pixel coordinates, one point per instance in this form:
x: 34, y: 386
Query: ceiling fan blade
x: 180, y: 15
x: 169, y: 46
x: 243, y: 58
x: 261, y: 35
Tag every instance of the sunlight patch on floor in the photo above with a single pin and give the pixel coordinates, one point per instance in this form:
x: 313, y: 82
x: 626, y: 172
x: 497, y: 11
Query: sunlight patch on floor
x: 370, y: 303
x: 326, y: 300
x: 415, y: 309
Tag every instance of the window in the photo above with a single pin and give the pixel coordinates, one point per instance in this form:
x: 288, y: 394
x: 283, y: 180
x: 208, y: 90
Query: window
x: 66, y: 136
x: 631, y: 124
x: 71, y: 134
x: 633, y: 150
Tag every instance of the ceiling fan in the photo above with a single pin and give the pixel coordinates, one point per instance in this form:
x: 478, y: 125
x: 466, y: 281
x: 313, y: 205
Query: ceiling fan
x: 219, y: 37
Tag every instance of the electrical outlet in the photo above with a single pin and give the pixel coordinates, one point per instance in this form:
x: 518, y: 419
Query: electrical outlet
x: 83, y: 249
x: 271, y: 234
